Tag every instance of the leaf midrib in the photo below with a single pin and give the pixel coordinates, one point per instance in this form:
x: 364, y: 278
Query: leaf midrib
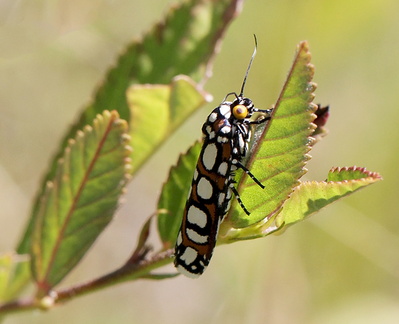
x: 77, y: 197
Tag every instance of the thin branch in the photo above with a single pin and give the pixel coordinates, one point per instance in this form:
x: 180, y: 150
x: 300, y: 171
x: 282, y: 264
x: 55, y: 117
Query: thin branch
x: 129, y: 271
x: 125, y: 273
x: 18, y: 306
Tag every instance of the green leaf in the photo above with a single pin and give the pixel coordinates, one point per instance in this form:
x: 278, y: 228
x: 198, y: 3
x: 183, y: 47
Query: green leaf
x: 279, y: 155
x: 174, y: 195
x: 11, y: 281
x: 162, y: 108
x: 309, y: 197
x: 183, y: 43
x: 262, y: 228
x: 81, y: 199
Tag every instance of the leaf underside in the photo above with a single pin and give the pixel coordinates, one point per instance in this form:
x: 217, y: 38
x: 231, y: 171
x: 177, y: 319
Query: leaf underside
x: 81, y: 199
x: 162, y: 108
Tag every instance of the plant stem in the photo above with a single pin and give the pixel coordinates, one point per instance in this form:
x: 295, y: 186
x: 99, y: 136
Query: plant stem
x: 129, y: 271
x: 125, y: 273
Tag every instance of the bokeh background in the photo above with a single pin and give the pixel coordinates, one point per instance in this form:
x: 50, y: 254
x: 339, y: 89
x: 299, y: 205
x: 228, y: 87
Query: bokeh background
x: 340, y: 266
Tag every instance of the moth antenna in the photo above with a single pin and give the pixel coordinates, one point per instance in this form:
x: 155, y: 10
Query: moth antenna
x: 249, y: 67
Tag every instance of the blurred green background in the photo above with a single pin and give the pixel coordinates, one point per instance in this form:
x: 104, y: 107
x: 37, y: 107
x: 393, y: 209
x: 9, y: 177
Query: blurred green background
x: 340, y: 266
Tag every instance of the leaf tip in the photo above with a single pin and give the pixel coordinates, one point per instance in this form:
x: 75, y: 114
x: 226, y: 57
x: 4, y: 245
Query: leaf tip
x: 304, y: 45
x: 362, y: 170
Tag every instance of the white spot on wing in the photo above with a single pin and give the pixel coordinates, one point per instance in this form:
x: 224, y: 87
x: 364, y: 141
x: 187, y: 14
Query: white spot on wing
x: 179, y: 239
x: 196, y: 216
x: 189, y: 255
x: 229, y: 193
x: 195, y: 237
x: 189, y: 274
x: 204, y: 188
x: 212, y: 117
x: 222, y: 139
x: 225, y: 111
x: 209, y: 156
x: 226, y: 129
x: 221, y: 199
x: 223, y: 168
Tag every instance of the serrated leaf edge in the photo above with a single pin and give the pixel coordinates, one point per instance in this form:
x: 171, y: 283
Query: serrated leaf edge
x: 113, y: 117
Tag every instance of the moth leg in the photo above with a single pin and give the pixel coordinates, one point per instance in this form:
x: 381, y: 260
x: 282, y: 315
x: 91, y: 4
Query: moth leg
x: 237, y: 195
x: 264, y: 111
x: 242, y: 166
x: 268, y: 115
